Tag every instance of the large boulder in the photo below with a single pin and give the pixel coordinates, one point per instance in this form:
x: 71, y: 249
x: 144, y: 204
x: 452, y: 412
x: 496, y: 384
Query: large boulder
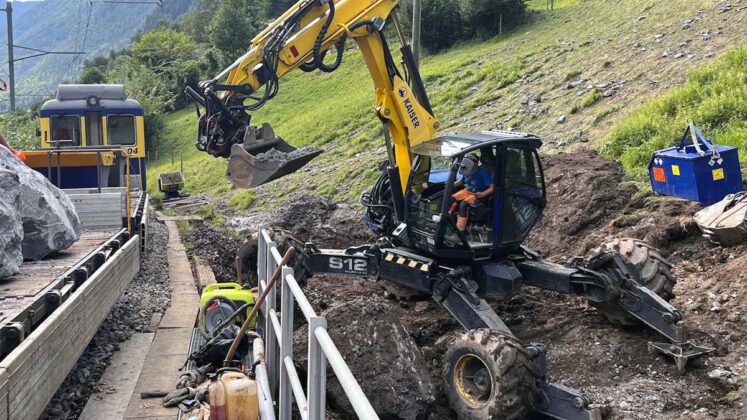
x: 49, y: 220
x: 381, y: 355
x: 11, y: 230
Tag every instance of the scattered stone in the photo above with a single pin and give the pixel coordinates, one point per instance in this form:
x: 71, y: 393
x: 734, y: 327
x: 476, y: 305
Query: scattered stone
x: 640, y: 18
x: 679, y: 55
x: 609, y: 92
x: 525, y: 100
x: 604, y: 85
x: 716, y: 307
x: 561, y: 120
x: 665, y: 54
x: 722, y: 374
x: 538, y: 98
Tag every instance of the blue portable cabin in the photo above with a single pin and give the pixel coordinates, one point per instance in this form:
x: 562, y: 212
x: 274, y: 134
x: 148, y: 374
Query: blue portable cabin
x: 88, y: 134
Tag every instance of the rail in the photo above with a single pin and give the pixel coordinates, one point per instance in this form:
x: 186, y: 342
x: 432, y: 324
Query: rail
x: 278, y: 348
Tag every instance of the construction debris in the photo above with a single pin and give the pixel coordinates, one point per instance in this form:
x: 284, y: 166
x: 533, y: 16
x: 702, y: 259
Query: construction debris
x: 726, y: 221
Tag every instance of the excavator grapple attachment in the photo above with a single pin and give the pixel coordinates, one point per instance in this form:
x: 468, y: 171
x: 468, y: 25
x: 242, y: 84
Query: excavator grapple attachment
x: 264, y: 157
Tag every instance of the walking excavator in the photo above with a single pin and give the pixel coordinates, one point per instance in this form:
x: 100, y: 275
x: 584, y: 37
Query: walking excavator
x: 488, y: 372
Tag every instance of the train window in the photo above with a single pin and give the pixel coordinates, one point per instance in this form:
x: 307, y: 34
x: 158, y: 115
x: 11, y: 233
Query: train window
x: 122, y: 129
x: 65, y: 131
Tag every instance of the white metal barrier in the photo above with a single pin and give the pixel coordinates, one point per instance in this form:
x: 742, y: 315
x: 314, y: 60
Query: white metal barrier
x: 278, y: 347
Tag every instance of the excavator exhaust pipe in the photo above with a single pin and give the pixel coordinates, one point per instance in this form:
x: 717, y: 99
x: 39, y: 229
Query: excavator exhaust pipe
x: 264, y: 157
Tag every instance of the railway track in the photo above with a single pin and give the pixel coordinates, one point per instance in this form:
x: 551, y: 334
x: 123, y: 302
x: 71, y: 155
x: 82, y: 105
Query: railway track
x: 51, y: 309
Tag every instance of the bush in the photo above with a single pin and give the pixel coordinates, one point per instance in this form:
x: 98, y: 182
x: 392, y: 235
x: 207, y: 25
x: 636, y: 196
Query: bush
x: 714, y: 97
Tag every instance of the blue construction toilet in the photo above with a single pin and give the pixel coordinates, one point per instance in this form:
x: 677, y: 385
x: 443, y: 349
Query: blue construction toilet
x: 695, y: 169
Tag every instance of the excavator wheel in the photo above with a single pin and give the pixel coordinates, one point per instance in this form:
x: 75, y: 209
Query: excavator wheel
x: 653, y: 272
x: 488, y: 374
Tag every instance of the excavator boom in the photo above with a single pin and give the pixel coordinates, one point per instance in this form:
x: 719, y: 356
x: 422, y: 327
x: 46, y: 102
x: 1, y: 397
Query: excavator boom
x: 301, y: 39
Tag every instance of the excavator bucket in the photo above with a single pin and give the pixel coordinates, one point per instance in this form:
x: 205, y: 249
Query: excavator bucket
x: 264, y: 157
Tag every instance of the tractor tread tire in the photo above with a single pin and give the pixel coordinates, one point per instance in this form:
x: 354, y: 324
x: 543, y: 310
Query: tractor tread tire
x: 654, y: 271
x: 512, y: 370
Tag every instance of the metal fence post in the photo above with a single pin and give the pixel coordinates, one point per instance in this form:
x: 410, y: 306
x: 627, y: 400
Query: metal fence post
x: 271, y: 343
x: 316, y: 386
x: 286, y: 345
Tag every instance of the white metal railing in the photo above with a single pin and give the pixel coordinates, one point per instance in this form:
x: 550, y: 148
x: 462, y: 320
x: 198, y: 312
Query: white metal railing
x: 278, y: 348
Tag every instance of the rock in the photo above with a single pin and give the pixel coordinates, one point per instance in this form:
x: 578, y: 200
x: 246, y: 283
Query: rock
x: 11, y: 228
x: 722, y: 374
x: 604, y: 85
x: 49, y: 220
x: 525, y: 100
x: 381, y: 355
x: 716, y: 307
x: 538, y: 98
x: 609, y: 92
x: 679, y: 55
x: 561, y: 120
x: 640, y: 18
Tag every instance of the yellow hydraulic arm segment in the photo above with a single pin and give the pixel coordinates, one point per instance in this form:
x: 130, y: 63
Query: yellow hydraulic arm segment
x: 301, y: 38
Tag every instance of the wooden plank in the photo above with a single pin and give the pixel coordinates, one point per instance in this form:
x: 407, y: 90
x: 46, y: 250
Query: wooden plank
x: 205, y: 275
x: 40, y: 363
x: 119, y: 380
x: 168, y: 352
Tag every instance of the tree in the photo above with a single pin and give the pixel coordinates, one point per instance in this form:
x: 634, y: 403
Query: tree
x: 482, y: 17
x: 233, y: 26
x: 92, y: 76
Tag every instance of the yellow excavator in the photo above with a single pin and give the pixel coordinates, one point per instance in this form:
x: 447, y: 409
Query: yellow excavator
x: 488, y: 372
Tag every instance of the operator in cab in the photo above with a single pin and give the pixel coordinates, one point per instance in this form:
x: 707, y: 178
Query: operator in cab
x: 478, y: 185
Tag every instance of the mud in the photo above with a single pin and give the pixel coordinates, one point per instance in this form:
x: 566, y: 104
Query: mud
x: 387, y: 363
x: 589, y: 202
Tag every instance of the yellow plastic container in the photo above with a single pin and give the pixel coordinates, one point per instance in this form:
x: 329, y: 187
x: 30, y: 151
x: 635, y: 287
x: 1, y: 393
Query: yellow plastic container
x: 234, y: 397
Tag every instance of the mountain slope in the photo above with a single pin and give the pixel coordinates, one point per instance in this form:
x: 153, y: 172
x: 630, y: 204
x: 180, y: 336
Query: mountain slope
x: 587, y: 64
x: 55, y: 25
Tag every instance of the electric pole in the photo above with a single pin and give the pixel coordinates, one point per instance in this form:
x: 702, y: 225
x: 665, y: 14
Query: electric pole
x: 11, y: 62
x: 416, y: 9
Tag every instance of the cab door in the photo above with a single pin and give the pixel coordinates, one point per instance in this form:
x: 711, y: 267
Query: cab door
x: 522, y: 195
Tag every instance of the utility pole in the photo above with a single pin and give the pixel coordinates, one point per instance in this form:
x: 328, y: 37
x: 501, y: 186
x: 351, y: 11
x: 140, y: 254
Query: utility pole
x: 416, y: 9
x: 11, y: 62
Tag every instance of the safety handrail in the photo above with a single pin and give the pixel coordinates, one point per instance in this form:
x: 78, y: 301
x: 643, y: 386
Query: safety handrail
x: 278, y: 347
x: 98, y: 150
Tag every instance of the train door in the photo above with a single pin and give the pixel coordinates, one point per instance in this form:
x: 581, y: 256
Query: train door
x: 94, y: 129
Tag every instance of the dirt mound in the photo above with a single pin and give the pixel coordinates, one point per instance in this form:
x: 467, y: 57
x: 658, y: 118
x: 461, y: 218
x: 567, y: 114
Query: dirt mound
x: 312, y: 218
x: 590, y: 202
x: 218, y: 249
x: 381, y: 354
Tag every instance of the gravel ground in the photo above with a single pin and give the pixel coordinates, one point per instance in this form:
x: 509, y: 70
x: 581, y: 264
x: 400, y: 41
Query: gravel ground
x: 131, y: 314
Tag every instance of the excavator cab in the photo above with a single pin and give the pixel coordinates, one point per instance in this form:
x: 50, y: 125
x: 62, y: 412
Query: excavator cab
x: 496, y: 224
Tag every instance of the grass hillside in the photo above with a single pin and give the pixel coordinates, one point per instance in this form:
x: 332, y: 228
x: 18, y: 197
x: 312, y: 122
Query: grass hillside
x: 570, y: 75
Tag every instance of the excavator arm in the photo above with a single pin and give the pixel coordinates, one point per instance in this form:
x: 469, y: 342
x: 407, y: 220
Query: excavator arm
x: 302, y: 38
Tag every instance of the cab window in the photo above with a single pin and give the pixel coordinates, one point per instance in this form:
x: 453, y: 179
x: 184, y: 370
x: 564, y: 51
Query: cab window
x: 65, y: 131
x: 524, y: 193
x: 122, y: 129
